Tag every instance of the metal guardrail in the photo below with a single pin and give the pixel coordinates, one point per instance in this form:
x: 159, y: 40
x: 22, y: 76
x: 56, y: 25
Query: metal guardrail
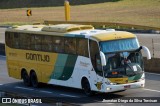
x: 105, y: 24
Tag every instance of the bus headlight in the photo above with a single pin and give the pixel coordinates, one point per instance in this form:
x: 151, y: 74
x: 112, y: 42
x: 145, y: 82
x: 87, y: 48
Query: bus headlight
x: 110, y: 83
x: 109, y: 89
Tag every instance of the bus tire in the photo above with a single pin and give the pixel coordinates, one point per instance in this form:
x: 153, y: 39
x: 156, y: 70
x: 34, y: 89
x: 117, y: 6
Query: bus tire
x: 86, y: 87
x: 25, y: 77
x: 34, y: 80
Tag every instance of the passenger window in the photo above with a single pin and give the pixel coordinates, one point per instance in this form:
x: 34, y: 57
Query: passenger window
x: 36, y: 42
x: 98, y: 62
x: 9, y: 39
x: 16, y: 43
x: 25, y: 40
x: 95, y: 56
x: 70, y: 45
x: 47, y: 44
x: 58, y: 44
x: 82, y: 47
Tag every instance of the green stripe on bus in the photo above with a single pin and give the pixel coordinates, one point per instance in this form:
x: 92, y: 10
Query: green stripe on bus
x: 69, y: 67
x: 59, y: 66
x: 136, y: 77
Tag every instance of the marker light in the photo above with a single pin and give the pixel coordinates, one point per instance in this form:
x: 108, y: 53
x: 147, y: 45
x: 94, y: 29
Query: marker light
x: 109, y: 89
x: 114, y: 73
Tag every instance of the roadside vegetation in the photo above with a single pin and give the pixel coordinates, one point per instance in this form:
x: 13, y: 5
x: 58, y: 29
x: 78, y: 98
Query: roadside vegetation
x: 8, y: 4
x: 139, y: 12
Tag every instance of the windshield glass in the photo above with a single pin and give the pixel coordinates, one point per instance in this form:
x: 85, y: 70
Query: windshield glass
x: 119, y: 45
x: 124, y: 63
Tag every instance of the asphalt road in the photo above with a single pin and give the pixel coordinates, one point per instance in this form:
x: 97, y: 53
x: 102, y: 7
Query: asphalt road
x: 76, y: 96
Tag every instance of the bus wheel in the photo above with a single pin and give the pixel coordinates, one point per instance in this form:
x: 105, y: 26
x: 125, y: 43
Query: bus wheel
x: 34, y: 80
x: 26, y: 79
x: 86, y: 87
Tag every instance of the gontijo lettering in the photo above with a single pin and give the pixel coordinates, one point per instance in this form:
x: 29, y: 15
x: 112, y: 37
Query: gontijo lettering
x: 37, y: 57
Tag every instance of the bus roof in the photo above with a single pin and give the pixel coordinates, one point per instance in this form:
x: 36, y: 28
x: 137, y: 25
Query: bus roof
x: 114, y: 35
x: 74, y: 30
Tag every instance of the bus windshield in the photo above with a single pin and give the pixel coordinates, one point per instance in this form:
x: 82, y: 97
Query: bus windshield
x: 125, y: 65
x: 123, y: 57
x: 119, y: 45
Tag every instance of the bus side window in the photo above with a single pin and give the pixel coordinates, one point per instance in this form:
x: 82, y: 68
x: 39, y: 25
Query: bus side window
x: 16, y: 39
x: 94, y: 52
x: 37, y: 42
x: 32, y: 44
x: 25, y: 40
x: 98, y: 62
x: 9, y: 39
x: 82, y: 47
x: 58, y: 44
x: 70, y: 45
x: 47, y: 44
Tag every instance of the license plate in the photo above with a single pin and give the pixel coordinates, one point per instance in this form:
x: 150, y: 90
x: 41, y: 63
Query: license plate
x: 127, y: 86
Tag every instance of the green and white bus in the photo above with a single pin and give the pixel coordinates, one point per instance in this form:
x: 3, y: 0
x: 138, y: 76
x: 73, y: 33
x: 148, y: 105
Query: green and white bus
x: 77, y: 56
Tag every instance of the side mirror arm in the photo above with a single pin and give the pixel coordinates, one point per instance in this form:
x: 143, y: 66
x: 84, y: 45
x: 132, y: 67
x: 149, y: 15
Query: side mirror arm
x: 103, y: 58
x: 147, y: 52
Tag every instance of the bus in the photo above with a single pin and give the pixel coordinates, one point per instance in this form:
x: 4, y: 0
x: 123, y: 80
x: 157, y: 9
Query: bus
x: 77, y: 56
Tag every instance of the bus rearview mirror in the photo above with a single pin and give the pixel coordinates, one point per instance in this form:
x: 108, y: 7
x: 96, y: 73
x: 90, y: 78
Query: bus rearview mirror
x: 147, y: 52
x: 103, y: 58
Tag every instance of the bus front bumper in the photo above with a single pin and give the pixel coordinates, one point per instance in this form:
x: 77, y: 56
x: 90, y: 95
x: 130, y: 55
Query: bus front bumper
x: 121, y: 87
